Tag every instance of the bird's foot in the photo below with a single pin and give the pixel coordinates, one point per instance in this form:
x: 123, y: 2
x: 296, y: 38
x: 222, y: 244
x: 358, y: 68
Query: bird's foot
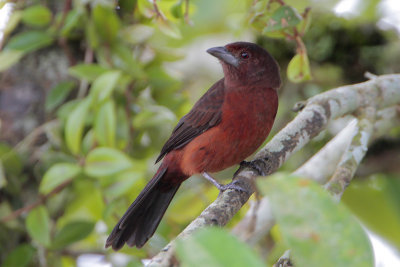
x: 258, y: 165
x: 221, y: 187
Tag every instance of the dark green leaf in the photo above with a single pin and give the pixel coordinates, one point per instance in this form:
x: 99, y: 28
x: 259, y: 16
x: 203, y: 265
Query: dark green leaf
x: 20, y: 256
x: 38, y: 16
x: 71, y: 233
x: 75, y: 124
x: 284, y: 17
x: 105, y: 124
x: 214, y: 247
x: 29, y: 41
x: 105, y: 161
x: 177, y: 10
x: 71, y: 21
x: 12, y: 163
x: 87, y: 72
x: 299, y: 68
x: 106, y: 22
x: 58, y: 174
x: 9, y: 58
x: 37, y: 224
x: 58, y: 94
x: 318, y: 231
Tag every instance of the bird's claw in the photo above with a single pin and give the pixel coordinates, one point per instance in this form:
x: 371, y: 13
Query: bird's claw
x: 256, y: 165
x: 234, y: 186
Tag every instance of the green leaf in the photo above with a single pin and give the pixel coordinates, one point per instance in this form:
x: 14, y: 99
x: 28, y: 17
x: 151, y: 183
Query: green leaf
x: 20, y: 256
x: 9, y: 58
x: 299, y: 68
x: 74, y: 126
x: 319, y: 231
x: 127, y: 181
x: 214, y: 247
x: 284, y: 17
x: 58, y: 174
x: 71, y: 21
x: 58, y: 94
x: 168, y: 28
x: 105, y: 124
x: 37, y: 16
x: 37, y: 224
x: 71, y: 233
x: 177, y: 9
x: 87, y: 72
x: 3, y: 179
x: 29, y: 41
x: 104, y: 161
x: 376, y: 202
x: 106, y: 22
x: 137, y: 33
x: 104, y: 85
x: 12, y: 162
x: 88, y: 207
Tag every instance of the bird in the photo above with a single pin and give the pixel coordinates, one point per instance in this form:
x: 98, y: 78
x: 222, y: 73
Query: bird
x: 224, y: 127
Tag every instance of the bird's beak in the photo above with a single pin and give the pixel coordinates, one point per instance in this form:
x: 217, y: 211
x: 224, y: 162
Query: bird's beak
x: 223, y: 54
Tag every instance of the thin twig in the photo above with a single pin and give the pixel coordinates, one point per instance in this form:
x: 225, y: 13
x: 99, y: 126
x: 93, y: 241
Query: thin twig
x: 40, y: 201
x: 157, y: 10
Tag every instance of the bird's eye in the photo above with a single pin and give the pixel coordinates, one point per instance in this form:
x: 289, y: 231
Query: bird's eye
x: 244, y: 55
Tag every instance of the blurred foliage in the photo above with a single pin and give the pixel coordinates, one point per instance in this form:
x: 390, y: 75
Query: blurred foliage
x: 105, y: 125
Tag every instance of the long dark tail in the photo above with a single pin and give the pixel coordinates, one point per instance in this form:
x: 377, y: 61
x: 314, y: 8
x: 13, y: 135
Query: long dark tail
x: 141, y: 219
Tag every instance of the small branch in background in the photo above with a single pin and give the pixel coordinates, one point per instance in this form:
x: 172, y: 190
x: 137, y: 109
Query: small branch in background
x: 305, y: 16
x: 70, y: 56
x: 24, y: 145
x: 83, y: 86
x: 284, y: 260
x: 67, y: 8
x: 62, y: 41
x: 186, y: 15
x: 39, y: 202
x: 353, y: 155
x: 157, y: 11
x: 128, y: 112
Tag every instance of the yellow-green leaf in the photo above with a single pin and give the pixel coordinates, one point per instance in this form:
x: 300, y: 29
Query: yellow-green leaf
x: 37, y: 224
x: 104, y: 85
x: 214, y: 247
x: 299, y: 68
x: 74, y: 126
x: 9, y: 58
x: 38, y: 16
x: 105, y: 124
x: 104, y: 161
x: 58, y: 174
x: 319, y: 231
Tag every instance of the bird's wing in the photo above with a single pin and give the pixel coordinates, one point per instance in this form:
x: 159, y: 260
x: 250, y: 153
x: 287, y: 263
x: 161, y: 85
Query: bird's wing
x: 205, y: 114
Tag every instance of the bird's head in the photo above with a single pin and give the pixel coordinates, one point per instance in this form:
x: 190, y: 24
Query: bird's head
x: 247, y: 63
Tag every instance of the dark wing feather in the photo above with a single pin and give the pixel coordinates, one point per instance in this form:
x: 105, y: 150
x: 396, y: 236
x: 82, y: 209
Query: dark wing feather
x: 205, y: 114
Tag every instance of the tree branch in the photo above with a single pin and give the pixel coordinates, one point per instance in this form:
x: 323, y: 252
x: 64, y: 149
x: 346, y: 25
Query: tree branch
x: 318, y: 112
x: 353, y: 154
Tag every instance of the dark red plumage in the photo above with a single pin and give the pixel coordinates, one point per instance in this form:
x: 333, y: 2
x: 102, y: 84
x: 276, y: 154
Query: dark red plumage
x: 226, y: 125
